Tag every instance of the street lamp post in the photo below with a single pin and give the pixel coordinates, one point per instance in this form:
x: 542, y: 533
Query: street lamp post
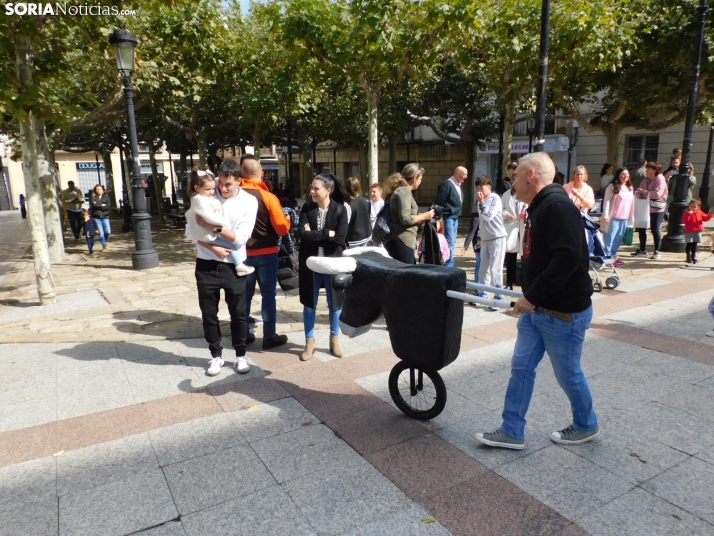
x: 674, y: 241
x: 334, y: 157
x: 704, y: 188
x: 530, y: 130
x: 408, y: 136
x: 572, y: 142
x: 145, y: 256
x: 542, y: 75
x: 189, y: 137
x: 125, y: 205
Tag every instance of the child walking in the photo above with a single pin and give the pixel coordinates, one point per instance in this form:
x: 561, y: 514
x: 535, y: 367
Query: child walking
x: 91, y: 229
x: 693, y: 220
x: 493, y: 235
x: 201, y: 190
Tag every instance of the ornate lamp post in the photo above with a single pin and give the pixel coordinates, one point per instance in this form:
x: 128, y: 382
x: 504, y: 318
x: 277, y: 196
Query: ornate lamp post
x: 125, y: 205
x: 145, y: 256
x: 542, y: 75
x: 530, y: 130
x: 674, y: 241
x: 408, y: 136
x: 189, y: 137
x: 704, y: 188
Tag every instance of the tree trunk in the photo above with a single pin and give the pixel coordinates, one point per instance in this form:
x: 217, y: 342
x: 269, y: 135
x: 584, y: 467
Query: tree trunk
x: 33, y: 199
x: 50, y: 198
x: 128, y: 167
x: 109, y: 176
x: 372, y: 115
x: 468, y: 185
x: 508, y: 137
x: 615, y: 134
x: 393, y: 154
x: 308, y: 171
x: 363, y: 166
x: 202, y: 152
x: 256, y: 139
x: 183, y: 181
x: 158, y: 183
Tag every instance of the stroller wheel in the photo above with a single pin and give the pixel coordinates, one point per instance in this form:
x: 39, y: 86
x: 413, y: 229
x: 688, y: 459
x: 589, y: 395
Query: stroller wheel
x: 612, y: 282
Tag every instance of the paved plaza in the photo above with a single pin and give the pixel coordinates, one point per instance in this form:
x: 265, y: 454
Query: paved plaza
x: 110, y: 426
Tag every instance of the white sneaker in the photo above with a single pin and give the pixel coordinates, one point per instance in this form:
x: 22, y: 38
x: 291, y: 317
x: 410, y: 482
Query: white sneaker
x: 241, y: 365
x: 214, y: 366
x: 710, y: 333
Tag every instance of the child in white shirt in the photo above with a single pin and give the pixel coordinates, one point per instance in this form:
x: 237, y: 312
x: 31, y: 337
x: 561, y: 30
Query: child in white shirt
x: 201, y: 189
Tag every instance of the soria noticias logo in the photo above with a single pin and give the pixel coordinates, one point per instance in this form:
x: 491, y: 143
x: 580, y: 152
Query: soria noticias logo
x: 61, y: 8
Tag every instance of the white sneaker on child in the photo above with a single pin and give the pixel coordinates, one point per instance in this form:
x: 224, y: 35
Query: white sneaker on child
x: 214, y: 366
x: 244, y: 269
x: 710, y: 333
x: 241, y: 365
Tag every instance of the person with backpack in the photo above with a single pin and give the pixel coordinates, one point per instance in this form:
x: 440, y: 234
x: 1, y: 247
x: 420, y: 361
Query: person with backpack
x: 404, y: 218
x: 323, y: 233
x: 451, y: 198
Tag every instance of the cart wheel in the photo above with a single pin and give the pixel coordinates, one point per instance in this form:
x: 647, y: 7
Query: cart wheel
x: 419, y: 394
x: 612, y: 282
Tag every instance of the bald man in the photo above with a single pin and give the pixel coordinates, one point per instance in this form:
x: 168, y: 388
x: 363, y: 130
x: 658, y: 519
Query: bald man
x: 262, y: 248
x: 555, y: 309
x: 451, y: 197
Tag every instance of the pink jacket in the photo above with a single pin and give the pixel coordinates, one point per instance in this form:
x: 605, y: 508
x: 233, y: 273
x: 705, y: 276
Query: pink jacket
x: 656, y: 191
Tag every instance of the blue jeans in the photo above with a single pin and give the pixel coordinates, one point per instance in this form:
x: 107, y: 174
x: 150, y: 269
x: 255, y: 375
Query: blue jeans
x: 451, y: 227
x: 266, y: 273
x: 308, y: 313
x: 90, y: 243
x: 614, y: 235
x: 478, y: 265
x: 105, y: 229
x: 539, y: 333
x: 222, y: 242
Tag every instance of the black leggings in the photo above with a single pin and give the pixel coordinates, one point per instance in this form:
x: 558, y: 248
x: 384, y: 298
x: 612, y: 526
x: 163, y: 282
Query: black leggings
x: 511, y: 265
x: 398, y: 251
x: 691, y: 249
x: 656, y: 219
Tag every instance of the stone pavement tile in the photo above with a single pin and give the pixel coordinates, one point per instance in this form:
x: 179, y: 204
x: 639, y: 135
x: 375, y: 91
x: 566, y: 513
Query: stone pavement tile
x: 638, y: 513
x: 159, y: 376
x: 82, y: 352
x: 639, y: 317
x: 180, y: 408
x: 572, y: 530
x: 145, y: 350
x: 457, y: 409
x: 706, y: 455
x: 96, y: 428
x: 502, y: 331
x: 89, y: 467
x: 88, y: 397
x: 303, y: 452
x: 33, y: 412
x: 170, y: 528
x: 564, y: 481
x: 682, y: 370
x: 689, y: 485
x: 425, y: 465
x: 642, y: 284
x: 194, y: 438
x: 214, y: 478
x: 480, y: 317
x: 267, y: 512
x: 287, y: 355
x: 121, y: 507
x: 412, y: 520
x: 461, y: 435
x: 378, y: 385
x: 25, y: 444
x: 366, y: 364
x: 239, y: 395
x: 28, y: 483
x: 679, y: 430
x: 488, y: 504
x: 312, y: 374
x: 36, y: 383
x: 693, y: 399
x: 626, y: 386
x: 41, y: 519
x: 336, y: 399
x: 487, y: 390
x: 375, y: 429
x: 336, y: 501
x: 271, y: 419
x: 469, y: 343
x: 376, y: 338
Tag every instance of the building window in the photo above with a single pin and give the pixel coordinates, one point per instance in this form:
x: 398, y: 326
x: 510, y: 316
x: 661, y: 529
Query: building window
x: 352, y: 169
x: 432, y: 151
x: 639, y: 147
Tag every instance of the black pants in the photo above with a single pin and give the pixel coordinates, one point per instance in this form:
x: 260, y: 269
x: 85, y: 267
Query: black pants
x: 211, y: 277
x: 511, y: 264
x: 75, y: 222
x: 656, y: 219
x: 23, y: 212
x: 691, y: 249
x: 398, y: 251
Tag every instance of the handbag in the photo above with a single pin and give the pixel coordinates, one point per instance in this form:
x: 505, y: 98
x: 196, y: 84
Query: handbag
x: 629, y: 235
x: 642, y: 213
x: 382, y: 224
x: 288, y: 269
x: 655, y: 203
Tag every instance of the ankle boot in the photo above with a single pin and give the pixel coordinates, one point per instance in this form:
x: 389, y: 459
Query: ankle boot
x: 309, y: 349
x: 689, y: 258
x: 335, y: 345
x: 694, y: 259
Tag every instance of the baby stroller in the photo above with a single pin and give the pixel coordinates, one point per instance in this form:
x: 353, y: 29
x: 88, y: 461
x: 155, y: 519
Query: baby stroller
x: 597, y: 258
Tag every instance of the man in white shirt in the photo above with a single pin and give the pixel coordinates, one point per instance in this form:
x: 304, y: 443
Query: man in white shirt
x: 215, y: 271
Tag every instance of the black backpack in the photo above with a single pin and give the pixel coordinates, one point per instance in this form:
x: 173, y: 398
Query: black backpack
x: 288, y: 268
x: 382, y: 224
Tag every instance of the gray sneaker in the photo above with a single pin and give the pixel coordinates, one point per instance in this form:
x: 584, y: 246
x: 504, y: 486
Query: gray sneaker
x: 656, y: 255
x: 570, y: 436
x: 499, y: 439
x: 639, y: 253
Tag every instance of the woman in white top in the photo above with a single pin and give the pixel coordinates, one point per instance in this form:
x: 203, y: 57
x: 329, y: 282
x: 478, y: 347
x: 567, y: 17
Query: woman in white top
x: 606, y: 176
x: 514, y: 220
x: 617, y: 212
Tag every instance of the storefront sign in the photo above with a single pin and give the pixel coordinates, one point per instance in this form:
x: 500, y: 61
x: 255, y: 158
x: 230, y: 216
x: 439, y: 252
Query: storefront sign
x: 552, y: 145
x: 89, y: 165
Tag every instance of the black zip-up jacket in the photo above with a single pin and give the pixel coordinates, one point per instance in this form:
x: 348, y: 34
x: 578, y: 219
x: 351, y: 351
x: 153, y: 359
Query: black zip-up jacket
x: 555, y: 254
x: 99, y: 206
